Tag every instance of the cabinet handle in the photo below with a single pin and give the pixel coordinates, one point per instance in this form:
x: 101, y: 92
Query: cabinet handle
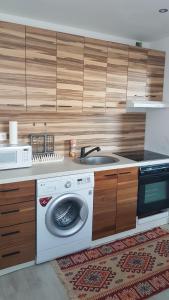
x: 125, y: 173
x: 65, y: 106
x: 11, y: 190
x: 9, y: 212
x: 10, y: 233
x: 94, y: 106
x: 11, y: 254
x: 18, y: 105
x: 110, y: 175
x: 47, y: 105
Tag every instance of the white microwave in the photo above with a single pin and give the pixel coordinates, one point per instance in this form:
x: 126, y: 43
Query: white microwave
x: 15, y: 156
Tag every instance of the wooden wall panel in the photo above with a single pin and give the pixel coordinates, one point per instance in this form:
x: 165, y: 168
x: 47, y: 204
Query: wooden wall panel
x: 41, y: 69
x: 12, y: 67
x: 112, y: 132
x: 70, y: 67
x: 137, y: 73
x: 117, y: 73
x: 95, y: 72
x: 155, y: 75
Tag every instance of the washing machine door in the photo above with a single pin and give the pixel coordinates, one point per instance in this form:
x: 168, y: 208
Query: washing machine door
x: 66, y: 215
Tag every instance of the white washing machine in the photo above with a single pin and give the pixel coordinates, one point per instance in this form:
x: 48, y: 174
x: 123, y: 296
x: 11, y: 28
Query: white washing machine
x: 64, y: 215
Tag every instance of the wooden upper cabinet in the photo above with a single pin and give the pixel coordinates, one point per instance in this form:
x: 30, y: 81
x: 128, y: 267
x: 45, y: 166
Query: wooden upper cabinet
x: 104, y: 210
x: 41, y: 69
x: 12, y: 67
x: 155, y: 75
x: 70, y: 67
x: 95, y: 73
x: 117, y: 72
x: 126, y: 199
x: 137, y: 73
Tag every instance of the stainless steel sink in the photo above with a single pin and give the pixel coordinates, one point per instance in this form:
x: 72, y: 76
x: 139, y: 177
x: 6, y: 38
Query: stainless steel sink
x: 96, y: 160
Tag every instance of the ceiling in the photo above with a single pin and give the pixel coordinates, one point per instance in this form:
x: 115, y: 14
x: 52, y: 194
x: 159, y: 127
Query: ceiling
x: 134, y: 19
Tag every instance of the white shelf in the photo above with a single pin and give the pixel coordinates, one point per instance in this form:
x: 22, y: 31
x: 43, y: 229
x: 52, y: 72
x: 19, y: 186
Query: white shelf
x: 146, y: 104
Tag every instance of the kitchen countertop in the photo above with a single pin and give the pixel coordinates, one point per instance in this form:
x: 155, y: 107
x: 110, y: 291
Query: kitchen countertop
x: 68, y: 167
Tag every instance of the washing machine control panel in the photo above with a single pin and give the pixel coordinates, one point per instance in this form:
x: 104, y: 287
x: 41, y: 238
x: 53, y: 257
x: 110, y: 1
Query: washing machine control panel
x: 61, y: 184
x: 68, y: 184
x: 83, y: 180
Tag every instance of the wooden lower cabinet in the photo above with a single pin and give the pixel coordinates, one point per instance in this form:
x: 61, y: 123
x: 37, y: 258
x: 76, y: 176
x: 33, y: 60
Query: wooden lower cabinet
x: 104, y: 213
x: 17, y: 223
x: 126, y: 199
x: 115, y: 201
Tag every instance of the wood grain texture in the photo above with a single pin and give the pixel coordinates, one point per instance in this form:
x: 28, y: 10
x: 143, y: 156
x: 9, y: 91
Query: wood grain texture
x: 155, y: 75
x: 17, y: 254
x: 70, y: 67
x: 126, y: 199
x: 12, y: 67
x: 115, y: 132
x: 95, y: 73
x: 104, y: 205
x: 137, y: 73
x: 17, y: 213
x: 117, y: 74
x: 17, y: 235
x: 17, y: 192
x: 41, y: 69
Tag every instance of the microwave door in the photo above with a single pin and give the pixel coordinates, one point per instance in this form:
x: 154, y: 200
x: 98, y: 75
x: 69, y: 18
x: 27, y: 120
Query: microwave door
x: 8, y: 159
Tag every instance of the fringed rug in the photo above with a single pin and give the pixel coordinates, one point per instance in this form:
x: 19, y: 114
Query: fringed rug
x: 133, y: 268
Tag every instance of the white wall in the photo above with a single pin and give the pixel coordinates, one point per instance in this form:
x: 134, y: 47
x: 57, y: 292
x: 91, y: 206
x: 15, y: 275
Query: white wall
x: 157, y: 125
x: 68, y: 29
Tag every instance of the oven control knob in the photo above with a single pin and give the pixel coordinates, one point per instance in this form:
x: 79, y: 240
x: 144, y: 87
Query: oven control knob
x: 68, y: 184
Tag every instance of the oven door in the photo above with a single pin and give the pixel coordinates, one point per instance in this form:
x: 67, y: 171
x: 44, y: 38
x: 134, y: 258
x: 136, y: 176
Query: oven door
x: 153, y: 194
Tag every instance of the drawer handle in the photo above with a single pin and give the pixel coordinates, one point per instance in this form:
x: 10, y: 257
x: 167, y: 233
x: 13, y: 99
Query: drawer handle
x: 94, y: 106
x: 11, y: 190
x: 9, y: 211
x: 11, y: 254
x: 10, y: 233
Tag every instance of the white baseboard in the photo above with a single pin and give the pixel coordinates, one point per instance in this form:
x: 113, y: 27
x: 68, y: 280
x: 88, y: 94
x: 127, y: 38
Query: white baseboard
x: 16, y: 268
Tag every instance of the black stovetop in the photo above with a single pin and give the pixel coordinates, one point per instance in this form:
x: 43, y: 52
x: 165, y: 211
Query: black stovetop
x: 142, y: 155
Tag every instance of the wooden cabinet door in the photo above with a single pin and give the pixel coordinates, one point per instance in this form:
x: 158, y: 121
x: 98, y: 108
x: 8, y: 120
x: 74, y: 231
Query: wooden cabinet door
x: 70, y: 72
x: 104, y: 210
x: 137, y: 73
x: 95, y: 73
x: 12, y: 67
x: 155, y: 75
x: 126, y: 199
x: 40, y: 69
x: 117, y: 72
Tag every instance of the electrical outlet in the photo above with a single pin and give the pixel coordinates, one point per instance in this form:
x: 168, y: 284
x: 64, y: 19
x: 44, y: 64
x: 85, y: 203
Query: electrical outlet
x: 3, y: 136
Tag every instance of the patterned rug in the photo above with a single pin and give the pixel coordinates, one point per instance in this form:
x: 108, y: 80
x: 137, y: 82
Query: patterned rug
x: 133, y: 268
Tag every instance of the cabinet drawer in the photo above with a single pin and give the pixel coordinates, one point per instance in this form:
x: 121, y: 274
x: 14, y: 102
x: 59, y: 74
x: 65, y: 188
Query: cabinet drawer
x: 17, y: 213
x: 17, y: 235
x: 105, y: 179
x: 17, y: 255
x: 127, y: 174
x: 17, y: 192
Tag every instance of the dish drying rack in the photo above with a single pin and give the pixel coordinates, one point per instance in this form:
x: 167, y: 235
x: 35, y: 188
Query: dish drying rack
x: 43, y: 149
x: 46, y: 158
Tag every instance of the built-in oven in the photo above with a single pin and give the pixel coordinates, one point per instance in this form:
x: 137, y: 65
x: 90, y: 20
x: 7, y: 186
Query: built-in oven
x: 153, y: 191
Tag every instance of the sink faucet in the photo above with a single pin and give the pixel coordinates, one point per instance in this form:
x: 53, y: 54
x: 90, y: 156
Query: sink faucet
x: 84, y: 154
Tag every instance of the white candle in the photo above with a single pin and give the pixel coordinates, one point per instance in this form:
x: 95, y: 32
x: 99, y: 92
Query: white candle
x: 13, y: 132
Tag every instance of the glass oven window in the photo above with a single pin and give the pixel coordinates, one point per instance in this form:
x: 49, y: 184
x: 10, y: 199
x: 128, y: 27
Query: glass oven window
x: 155, y: 192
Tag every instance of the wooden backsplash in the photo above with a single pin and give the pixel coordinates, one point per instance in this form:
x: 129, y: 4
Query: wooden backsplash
x: 112, y: 132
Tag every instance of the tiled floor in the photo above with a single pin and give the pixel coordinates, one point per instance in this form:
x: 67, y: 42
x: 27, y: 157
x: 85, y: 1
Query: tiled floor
x: 40, y: 283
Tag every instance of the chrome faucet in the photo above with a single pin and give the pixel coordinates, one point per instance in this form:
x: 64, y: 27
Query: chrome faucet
x: 83, y: 154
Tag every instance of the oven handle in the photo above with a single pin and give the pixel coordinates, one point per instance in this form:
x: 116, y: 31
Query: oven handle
x: 152, y: 177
